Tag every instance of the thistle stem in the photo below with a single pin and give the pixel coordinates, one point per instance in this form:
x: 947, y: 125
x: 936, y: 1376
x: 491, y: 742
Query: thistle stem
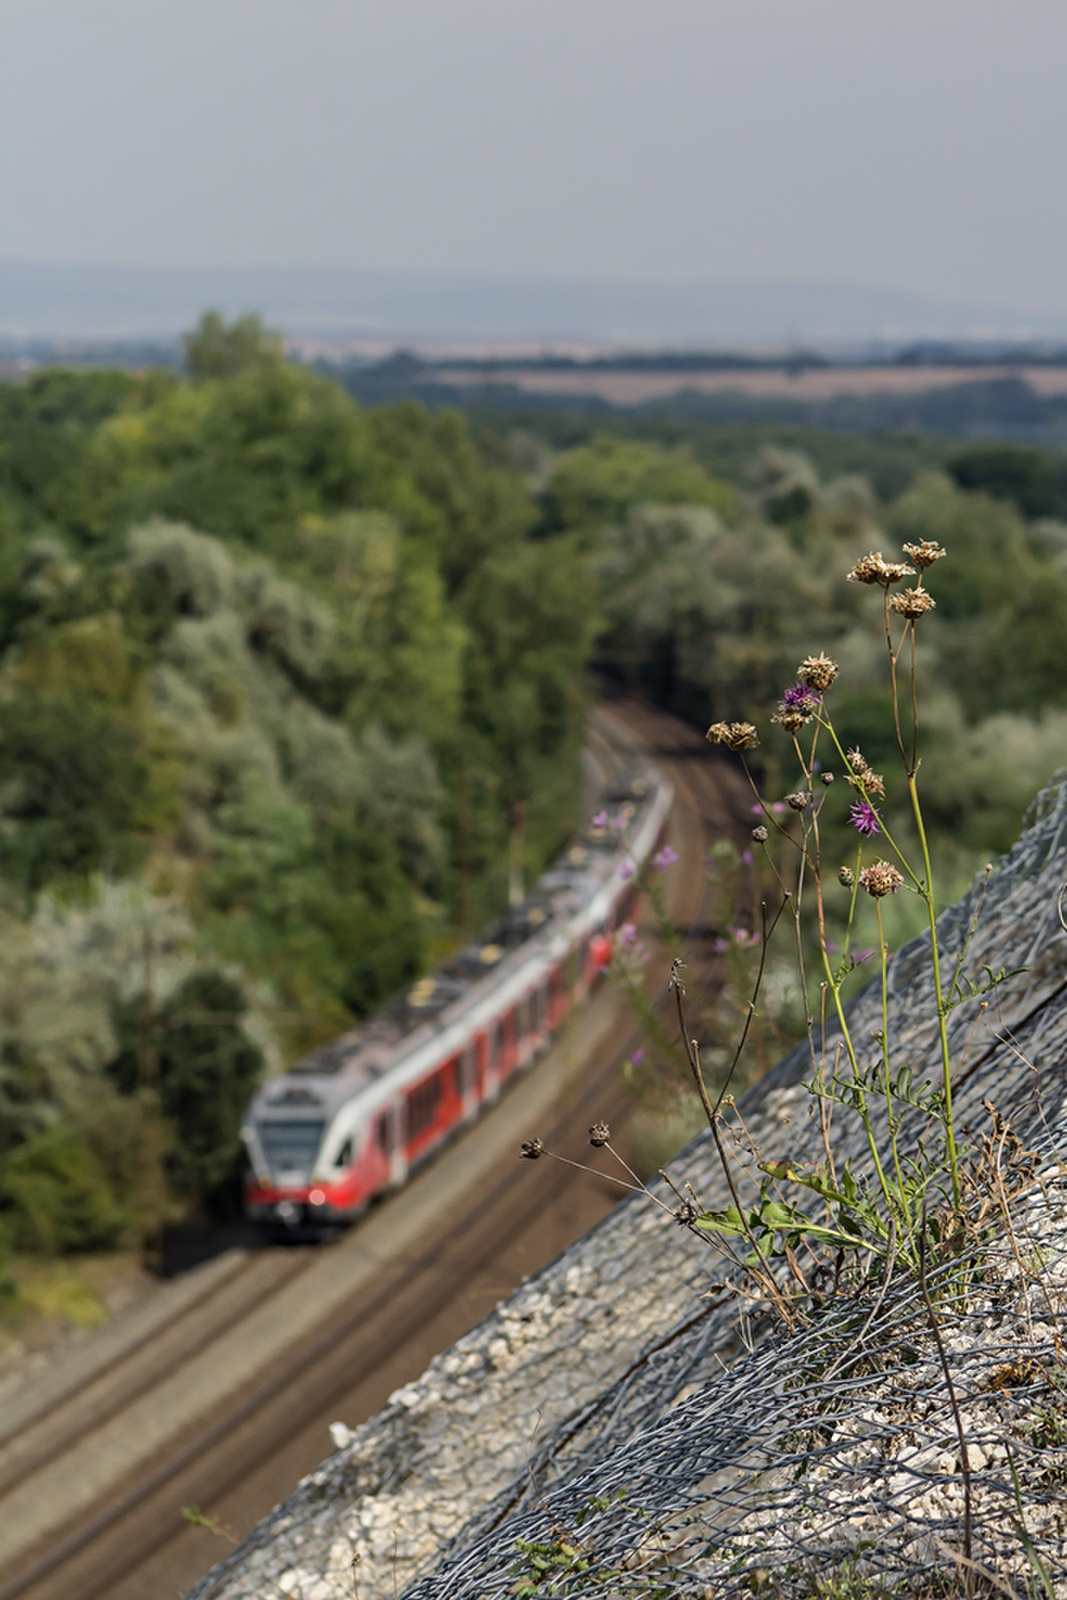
x: 892, y: 843
x: 886, y: 1074
x: 857, y: 1078
x: 942, y: 1015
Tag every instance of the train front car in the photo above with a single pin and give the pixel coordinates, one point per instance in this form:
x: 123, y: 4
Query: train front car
x: 311, y: 1170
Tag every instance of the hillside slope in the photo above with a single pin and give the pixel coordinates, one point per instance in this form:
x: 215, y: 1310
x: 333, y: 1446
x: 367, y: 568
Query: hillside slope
x: 610, y: 1406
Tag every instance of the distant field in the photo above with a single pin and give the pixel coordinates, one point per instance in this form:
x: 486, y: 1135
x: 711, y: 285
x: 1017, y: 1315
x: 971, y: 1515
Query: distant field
x: 634, y: 388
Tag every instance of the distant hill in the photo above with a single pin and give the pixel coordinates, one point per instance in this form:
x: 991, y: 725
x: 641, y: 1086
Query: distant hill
x: 52, y: 300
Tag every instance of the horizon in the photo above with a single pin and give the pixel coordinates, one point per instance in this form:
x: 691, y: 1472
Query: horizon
x: 115, y: 302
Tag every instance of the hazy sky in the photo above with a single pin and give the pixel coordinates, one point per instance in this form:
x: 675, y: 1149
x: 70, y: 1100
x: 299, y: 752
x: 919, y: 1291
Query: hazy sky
x: 920, y: 144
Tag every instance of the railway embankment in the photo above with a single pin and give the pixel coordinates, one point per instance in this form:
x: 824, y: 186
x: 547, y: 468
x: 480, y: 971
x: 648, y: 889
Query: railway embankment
x: 629, y: 1422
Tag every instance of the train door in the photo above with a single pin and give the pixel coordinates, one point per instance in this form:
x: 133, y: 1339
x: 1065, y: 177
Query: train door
x: 583, y: 975
x: 391, y: 1142
x: 531, y: 1008
x: 467, y: 1082
x: 521, y: 1017
x: 543, y: 1012
x: 494, y: 1062
x: 558, y: 995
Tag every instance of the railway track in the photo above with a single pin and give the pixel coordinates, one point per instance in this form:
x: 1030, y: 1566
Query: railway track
x: 349, y: 1323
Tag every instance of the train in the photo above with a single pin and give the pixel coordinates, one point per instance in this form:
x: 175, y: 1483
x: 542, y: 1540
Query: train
x: 356, y: 1116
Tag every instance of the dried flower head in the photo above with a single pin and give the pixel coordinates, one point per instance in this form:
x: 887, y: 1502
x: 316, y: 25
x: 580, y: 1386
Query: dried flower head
x: 530, y: 1149
x: 790, y: 721
x: 912, y: 603
x: 861, y: 777
x: 797, y: 801
x: 924, y: 554
x: 881, y: 879
x: 734, y: 735
x: 760, y: 834
x: 818, y: 672
x: 599, y: 1134
x: 826, y: 778
x: 846, y: 876
x: 873, y: 568
x: 686, y: 1214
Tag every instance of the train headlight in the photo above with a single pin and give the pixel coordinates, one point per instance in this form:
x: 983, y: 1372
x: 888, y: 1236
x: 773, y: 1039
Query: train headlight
x: 317, y: 1197
x: 287, y: 1212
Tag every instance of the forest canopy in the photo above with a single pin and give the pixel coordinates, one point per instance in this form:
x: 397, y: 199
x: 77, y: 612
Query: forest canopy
x: 279, y: 673
x: 275, y: 672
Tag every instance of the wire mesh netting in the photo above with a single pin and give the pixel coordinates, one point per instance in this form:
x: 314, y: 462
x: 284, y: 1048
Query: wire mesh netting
x: 839, y: 1450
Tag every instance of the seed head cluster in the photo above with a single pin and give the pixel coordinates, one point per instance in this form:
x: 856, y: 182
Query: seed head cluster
x: 881, y: 879
x: 599, y: 1134
x: 912, y: 603
x: 925, y: 554
x: 818, y: 672
x: 861, y: 777
x: 873, y: 568
x: 734, y: 735
x: 797, y: 801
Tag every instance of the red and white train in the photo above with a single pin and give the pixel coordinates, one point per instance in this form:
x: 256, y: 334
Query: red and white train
x: 354, y: 1117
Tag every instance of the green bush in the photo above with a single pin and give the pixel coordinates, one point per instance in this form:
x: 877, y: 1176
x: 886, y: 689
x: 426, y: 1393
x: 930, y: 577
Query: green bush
x: 57, y: 1196
x: 196, y: 1056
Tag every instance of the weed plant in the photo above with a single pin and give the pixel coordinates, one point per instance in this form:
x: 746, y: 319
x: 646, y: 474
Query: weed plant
x: 906, y: 1199
x: 917, y: 1195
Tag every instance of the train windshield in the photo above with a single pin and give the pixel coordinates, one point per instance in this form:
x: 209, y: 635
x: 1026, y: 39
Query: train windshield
x: 290, y: 1147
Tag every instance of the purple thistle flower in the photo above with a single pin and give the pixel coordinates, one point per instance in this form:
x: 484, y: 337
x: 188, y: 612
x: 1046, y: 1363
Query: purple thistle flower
x: 638, y: 1056
x: 600, y: 820
x: 864, y: 818
x: 626, y: 870
x: 665, y: 858
x: 747, y: 858
x: 799, y: 697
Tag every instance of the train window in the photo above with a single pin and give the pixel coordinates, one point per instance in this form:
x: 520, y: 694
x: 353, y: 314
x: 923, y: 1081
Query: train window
x: 423, y: 1102
x: 290, y: 1147
x: 496, y: 1039
x: 344, y: 1155
x: 385, y: 1143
